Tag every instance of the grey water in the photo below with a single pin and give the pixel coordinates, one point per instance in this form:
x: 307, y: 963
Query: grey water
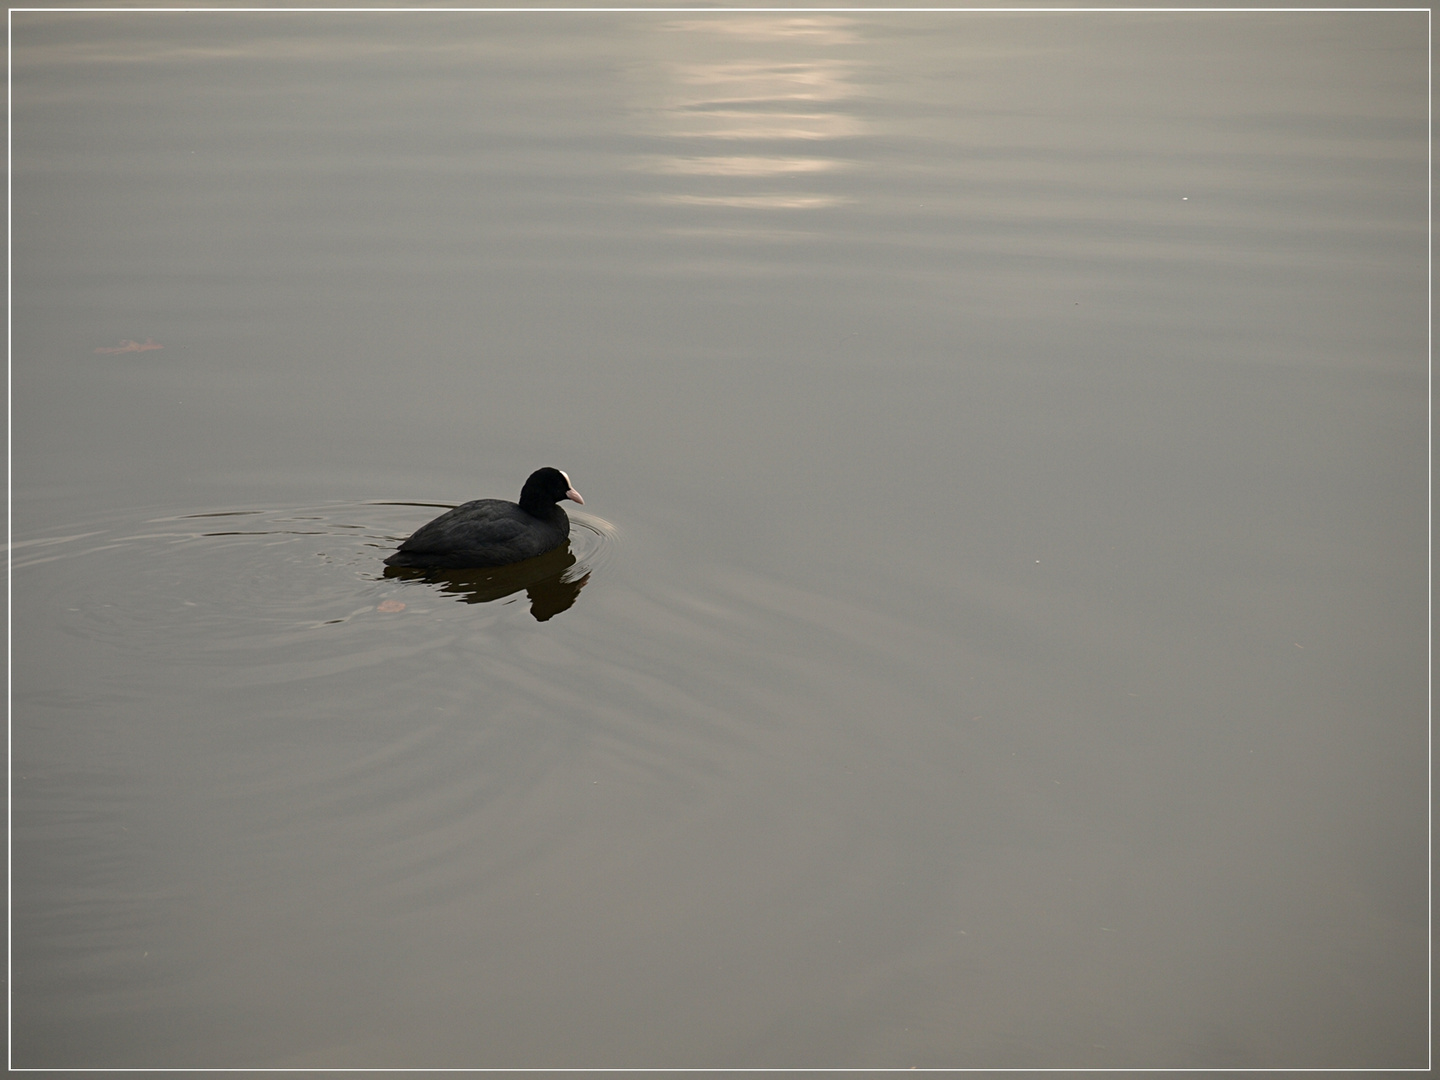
x: 996, y: 631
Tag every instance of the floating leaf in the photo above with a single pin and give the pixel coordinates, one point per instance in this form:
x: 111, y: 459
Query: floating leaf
x: 132, y: 346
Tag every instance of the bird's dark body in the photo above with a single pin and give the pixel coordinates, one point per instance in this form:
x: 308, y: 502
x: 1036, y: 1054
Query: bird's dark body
x: 486, y: 532
x: 493, y: 532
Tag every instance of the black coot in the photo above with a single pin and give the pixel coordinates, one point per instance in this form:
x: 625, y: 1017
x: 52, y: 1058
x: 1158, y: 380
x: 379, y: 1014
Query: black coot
x: 493, y: 532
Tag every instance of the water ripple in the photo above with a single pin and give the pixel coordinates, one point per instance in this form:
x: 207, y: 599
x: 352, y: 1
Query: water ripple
x: 276, y: 594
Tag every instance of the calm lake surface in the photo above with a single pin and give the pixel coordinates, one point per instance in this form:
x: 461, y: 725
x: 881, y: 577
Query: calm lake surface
x: 995, y: 634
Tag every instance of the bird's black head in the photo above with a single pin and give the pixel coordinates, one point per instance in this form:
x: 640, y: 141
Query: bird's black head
x: 545, y: 488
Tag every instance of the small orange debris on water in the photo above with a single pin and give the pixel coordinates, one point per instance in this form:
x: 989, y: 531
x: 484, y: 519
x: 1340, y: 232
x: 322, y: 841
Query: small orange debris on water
x: 131, y: 346
x: 390, y: 605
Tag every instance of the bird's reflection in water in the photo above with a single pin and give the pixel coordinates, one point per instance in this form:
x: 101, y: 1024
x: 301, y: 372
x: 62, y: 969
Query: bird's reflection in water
x: 542, y: 578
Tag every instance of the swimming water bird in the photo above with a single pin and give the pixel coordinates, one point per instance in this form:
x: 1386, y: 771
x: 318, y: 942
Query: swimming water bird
x: 494, y: 532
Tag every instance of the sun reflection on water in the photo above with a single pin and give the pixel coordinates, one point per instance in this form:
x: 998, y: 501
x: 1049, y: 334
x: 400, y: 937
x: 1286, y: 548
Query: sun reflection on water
x: 755, y: 80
